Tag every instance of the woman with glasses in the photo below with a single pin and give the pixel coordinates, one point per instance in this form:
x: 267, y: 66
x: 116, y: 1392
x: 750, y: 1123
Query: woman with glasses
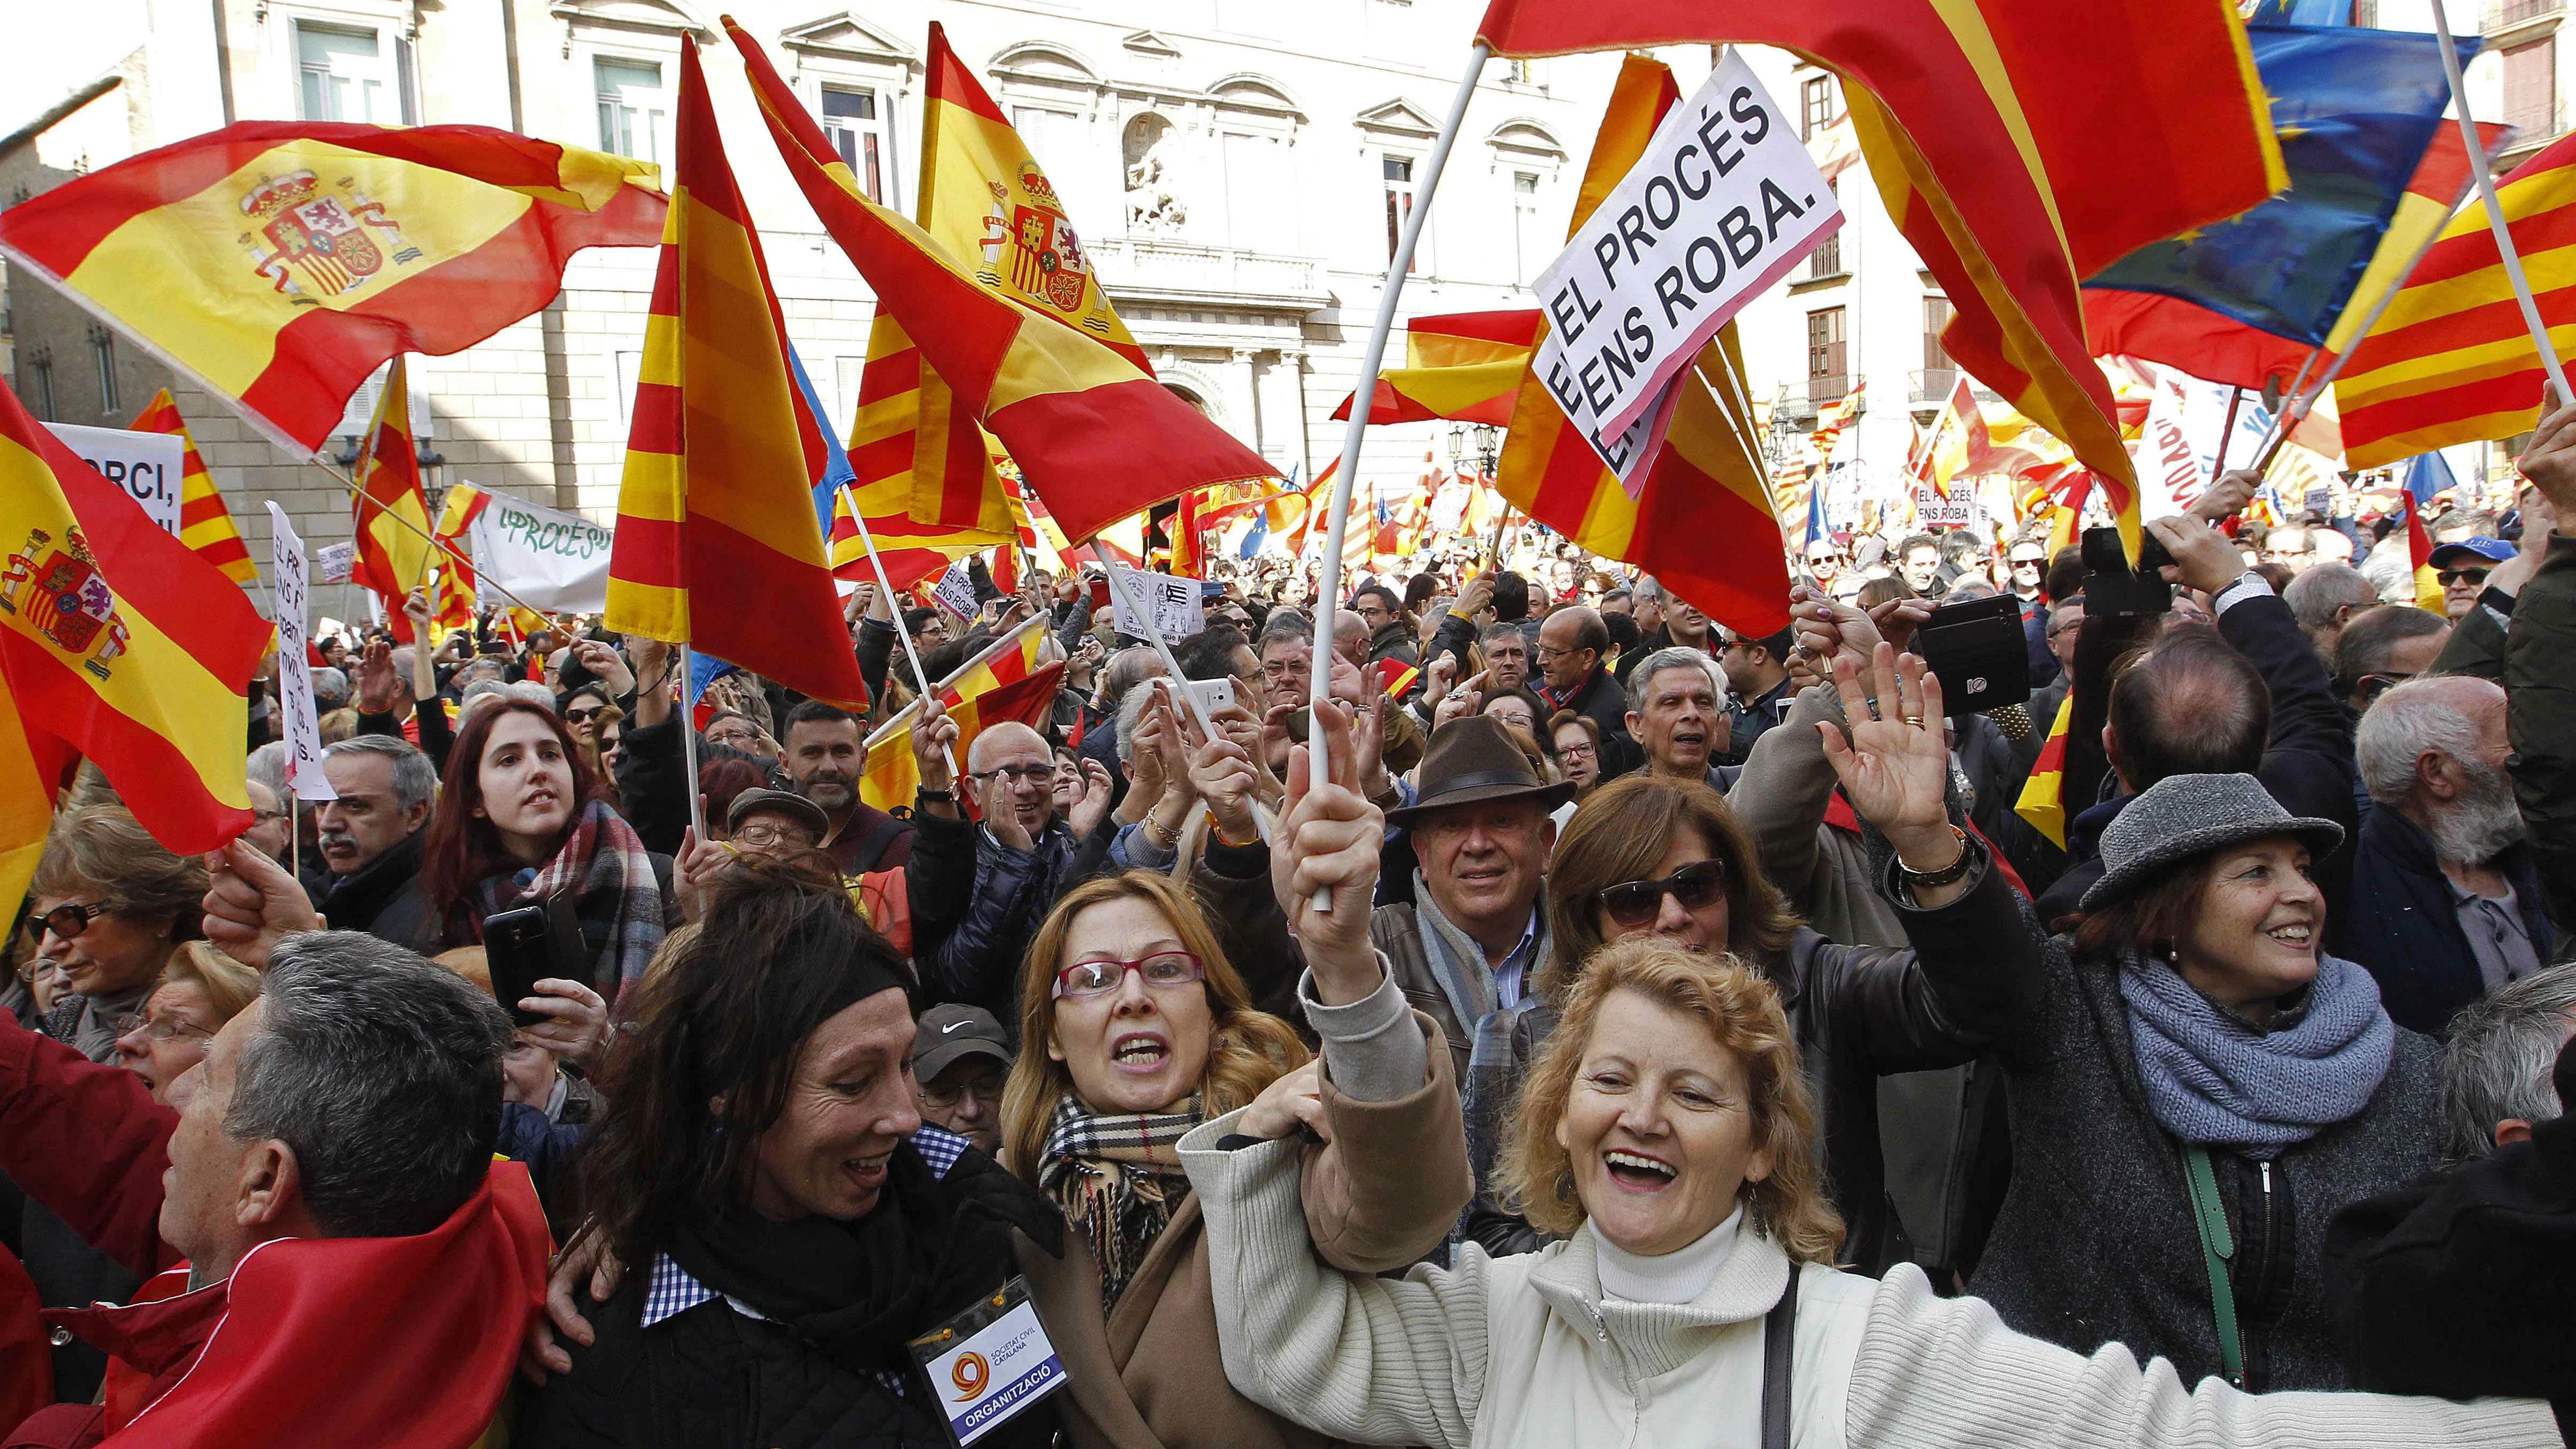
x: 109, y: 905
x: 200, y: 990
x: 1578, y: 751
x: 1134, y: 1029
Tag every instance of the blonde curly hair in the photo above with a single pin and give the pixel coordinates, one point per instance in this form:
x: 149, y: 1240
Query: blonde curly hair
x: 1742, y: 1010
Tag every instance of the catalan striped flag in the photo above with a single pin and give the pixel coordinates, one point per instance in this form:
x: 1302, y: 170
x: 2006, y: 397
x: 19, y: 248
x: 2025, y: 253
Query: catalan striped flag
x: 910, y: 551
x: 1465, y: 366
x: 1703, y: 522
x: 392, y: 514
x: 2043, y: 795
x: 280, y: 263
x: 455, y: 603
x: 2020, y: 145
x: 717, y: 544
x: 1093, y: 434
x: 204, y: 523
x: 118, y: 643
x: 2450, y: 361
x: 1004, y: 682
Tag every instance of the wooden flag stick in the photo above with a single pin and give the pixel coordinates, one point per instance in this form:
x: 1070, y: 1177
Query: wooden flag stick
x: 2495, y: 210
x: 1363, y: 402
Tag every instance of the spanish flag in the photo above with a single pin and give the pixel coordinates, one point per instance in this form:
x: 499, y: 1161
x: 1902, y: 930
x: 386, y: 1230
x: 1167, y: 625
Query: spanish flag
x: 1092, y: 433
x: 2043, y: 795
x: 2450, y: 361
x: 1004, y: 682
x: 117, y: 643
x: 281, y: 262
x: 1465, y: 366
x: 2020, y: 145
x: 204, y: 523
x: 1702, y: 522
x: 717, y: 544
x: 392, y: 523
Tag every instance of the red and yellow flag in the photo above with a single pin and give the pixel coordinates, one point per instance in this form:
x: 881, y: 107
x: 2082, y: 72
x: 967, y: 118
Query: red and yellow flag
x: 717, y: 505
x: 2450, y: 360
x: 2020, y: 145
x: 1702, y: 522
x: 281, y: 263
x: 1092, y: 433
x: 1005, y: 684
x: 118, y: 644
x: 455, y: 601
x: 2043, y: 795
x: 392, y: 514
x: 910, y: 551
x: 1465, y: 366
x: 204, y: 523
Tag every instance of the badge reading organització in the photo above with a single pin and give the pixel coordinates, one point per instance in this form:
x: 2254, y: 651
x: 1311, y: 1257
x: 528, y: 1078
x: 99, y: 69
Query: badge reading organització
x: 989, y: 1362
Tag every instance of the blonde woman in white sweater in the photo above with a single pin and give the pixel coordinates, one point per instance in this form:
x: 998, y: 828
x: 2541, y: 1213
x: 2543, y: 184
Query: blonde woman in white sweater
x: 1665, y: 1128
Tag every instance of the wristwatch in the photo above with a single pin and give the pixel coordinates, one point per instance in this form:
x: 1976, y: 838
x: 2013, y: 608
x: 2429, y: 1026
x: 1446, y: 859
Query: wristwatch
x: 1951, y: 874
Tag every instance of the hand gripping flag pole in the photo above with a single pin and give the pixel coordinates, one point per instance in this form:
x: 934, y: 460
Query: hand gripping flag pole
x: 1372, y: 360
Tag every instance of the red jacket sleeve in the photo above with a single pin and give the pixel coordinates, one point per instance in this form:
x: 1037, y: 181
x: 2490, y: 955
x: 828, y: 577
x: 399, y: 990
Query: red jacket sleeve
x: 88, y: 1142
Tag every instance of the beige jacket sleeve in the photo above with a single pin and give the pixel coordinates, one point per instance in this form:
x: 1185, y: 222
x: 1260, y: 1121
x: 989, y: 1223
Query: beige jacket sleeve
x: 1782, y: 793
x: 1392, y: 1181
x: 1372, y: 1360
x: 1945, y: 1373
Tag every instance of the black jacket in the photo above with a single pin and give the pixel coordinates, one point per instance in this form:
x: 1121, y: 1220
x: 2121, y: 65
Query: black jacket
x: 1394, y: 640
x: 2540, y: 686
x: 2402, y: 925
x: 382, y: 898
x: 969, y: 948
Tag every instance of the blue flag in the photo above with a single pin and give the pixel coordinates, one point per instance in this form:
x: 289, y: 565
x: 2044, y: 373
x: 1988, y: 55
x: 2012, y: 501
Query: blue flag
x: 706, y: 669
x: 2301, y: 12
x: 837, y: 472
x: 2355, y: 110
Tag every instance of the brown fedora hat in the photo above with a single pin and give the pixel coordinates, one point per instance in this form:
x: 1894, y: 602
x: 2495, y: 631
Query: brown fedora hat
x: 1472, y: 760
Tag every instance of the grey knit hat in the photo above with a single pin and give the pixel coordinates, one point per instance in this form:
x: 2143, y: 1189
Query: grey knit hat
x: 2181, y: 816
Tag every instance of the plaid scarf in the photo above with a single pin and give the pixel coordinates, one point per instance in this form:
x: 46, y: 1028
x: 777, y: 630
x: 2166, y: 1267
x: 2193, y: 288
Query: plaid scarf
x: 1118, y: 1180
x: 610, y: 874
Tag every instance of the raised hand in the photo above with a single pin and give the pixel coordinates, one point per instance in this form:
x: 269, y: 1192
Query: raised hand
x: 376, y: 682
x: 1329, y: 838
x: 576, y: 1024
x: 694, y: 869
x: 1094, y: 803
x: 1000, y: 816
x: 2228, y: 496
x: 252, y: 904
x: 602, y: 661
x: 2204, y: 558
x: 934, y: 735
x: 1895, y: 769
x: 1222, y: 772
x: 2550, y: 461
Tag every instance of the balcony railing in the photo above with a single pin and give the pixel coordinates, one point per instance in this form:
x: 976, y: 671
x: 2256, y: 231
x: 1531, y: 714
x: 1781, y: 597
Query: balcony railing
x: 1149, y: 264
x: 2513, y: 12
x: 1933, y: 384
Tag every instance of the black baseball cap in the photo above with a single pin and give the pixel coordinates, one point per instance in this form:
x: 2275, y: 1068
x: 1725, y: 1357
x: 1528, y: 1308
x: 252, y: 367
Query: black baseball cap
x: 948, y: 1032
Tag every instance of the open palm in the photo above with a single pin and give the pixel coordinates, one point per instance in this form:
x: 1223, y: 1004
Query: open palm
x: 1895, y: 769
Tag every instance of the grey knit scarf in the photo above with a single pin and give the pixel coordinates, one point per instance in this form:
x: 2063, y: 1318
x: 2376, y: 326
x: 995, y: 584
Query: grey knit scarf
x: 2215, y: 1079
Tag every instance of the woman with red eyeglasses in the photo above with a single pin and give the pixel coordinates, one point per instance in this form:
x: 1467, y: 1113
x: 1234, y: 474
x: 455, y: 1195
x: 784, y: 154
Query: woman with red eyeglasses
x: 1134, y: 1029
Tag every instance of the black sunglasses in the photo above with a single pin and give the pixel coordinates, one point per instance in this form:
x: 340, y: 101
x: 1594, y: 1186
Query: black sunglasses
x: 65, y: 921
x: 2449, y: 577
x: 1636, y: 903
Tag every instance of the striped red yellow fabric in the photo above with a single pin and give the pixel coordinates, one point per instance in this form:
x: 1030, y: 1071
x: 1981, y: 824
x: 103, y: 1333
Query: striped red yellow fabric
x: 910, y: 551
x: 2020, y: 146
x: 2043, y: 796
x: 717, y: 545
x: 892, y: 777
x: 907, y: 430
x: 455, y: 604
x: 392, y: 514
x: 204, y: 523
x: 1465, y: 366
x: 2450, y: 360
x: 1702, y: 522
x: 281, y: 263
x: 1091, y: 432
x: 118, y: 644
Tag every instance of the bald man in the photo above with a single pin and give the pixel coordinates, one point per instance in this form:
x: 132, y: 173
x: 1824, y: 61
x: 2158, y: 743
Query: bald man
x: 1022, y: 856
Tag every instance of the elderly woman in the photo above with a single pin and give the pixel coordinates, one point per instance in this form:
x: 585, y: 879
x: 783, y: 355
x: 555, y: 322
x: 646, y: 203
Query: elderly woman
x: 1148, y: 1031
x: 520, y: 822
x: 2197, y: 1089
x: 1577, y: 739
x: 109, y: 905
x: 201, y: 989
x: 1666, y: 1131
x: 755, y: 1162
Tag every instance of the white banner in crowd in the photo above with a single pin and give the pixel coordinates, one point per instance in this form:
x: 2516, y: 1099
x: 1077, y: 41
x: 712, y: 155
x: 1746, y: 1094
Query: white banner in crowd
x: 146, y: 465
x: 956, y: 590
x: 335, y: 563
x: 557, y: 562
x: 2170, y: 477
x: 1723, y: 202
x: 294, y: 673
x: 1180, y: 609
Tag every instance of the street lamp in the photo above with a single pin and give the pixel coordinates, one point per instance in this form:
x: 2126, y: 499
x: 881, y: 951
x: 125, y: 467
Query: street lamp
x: 1489, y: 446
x: 1457, y: 445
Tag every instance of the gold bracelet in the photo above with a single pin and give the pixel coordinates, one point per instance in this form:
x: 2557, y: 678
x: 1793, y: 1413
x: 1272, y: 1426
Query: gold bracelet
x: 1164, y: 837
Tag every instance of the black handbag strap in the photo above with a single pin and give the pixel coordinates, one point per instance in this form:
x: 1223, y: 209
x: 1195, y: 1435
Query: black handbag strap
x: 1779, y: 1336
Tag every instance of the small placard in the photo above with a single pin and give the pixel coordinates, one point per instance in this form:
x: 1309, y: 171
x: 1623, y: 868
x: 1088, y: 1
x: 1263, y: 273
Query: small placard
x: 989, y: 1363
x: 1180, y: 608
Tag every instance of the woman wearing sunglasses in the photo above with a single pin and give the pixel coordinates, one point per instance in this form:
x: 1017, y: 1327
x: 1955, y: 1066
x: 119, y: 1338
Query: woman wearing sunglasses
x: 1651, y: 858
x: 1135, y: 1029
x: 108, y: 905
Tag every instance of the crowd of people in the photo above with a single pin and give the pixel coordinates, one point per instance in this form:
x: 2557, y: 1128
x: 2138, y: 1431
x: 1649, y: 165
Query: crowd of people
x: 1591, y: 1025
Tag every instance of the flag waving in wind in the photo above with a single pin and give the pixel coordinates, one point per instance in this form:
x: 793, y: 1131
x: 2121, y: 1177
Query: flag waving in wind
x: 1094, y: 436
x: 718, y: 546
x: 392, y: 513
x: 205, y: 525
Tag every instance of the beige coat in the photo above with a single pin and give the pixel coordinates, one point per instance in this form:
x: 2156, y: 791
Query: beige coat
x: 1149, y: 1375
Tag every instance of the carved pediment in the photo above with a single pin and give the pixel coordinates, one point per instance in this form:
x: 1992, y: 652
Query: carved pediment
x: 1146, y: 42
x: 660, y: 17
x: 1044, y: 60
x: 1525, y: 137
x: 1399, y: 117
x: 844, y: 36
x: 1249, y: 91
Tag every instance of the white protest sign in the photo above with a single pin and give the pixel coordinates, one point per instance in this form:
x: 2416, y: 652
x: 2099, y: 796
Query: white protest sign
x: 955, y: 591
x: 1931, y: 510
x: 334, y: 563
x: 294, y: 673
x: 556, y: 562
x: 1723, y: 202
x: 146, y: 465
x: 2169, y: 472
x: 1180, y: 610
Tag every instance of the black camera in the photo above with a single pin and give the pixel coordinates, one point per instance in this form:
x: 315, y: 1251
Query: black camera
x: 1977, y: 649
x: 2112, y: 587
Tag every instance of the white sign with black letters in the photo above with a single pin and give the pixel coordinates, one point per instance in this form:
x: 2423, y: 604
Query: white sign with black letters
x: 294, y: 672
x: 146, y: 465
x: 1180, y: 607
x: 1724, y: 201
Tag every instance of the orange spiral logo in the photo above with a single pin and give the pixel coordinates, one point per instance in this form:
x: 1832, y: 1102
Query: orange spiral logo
x: 970, y: 1373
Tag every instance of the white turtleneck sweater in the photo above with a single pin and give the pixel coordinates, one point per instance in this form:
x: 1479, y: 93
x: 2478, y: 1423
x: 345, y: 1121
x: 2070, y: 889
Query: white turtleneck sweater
x: 1679, y: 1276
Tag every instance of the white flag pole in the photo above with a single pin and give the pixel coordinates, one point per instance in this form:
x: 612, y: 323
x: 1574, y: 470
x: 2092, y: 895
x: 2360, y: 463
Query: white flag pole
x: 2495, y: 211
x: 1364, y: 401
x: 919, y: 677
